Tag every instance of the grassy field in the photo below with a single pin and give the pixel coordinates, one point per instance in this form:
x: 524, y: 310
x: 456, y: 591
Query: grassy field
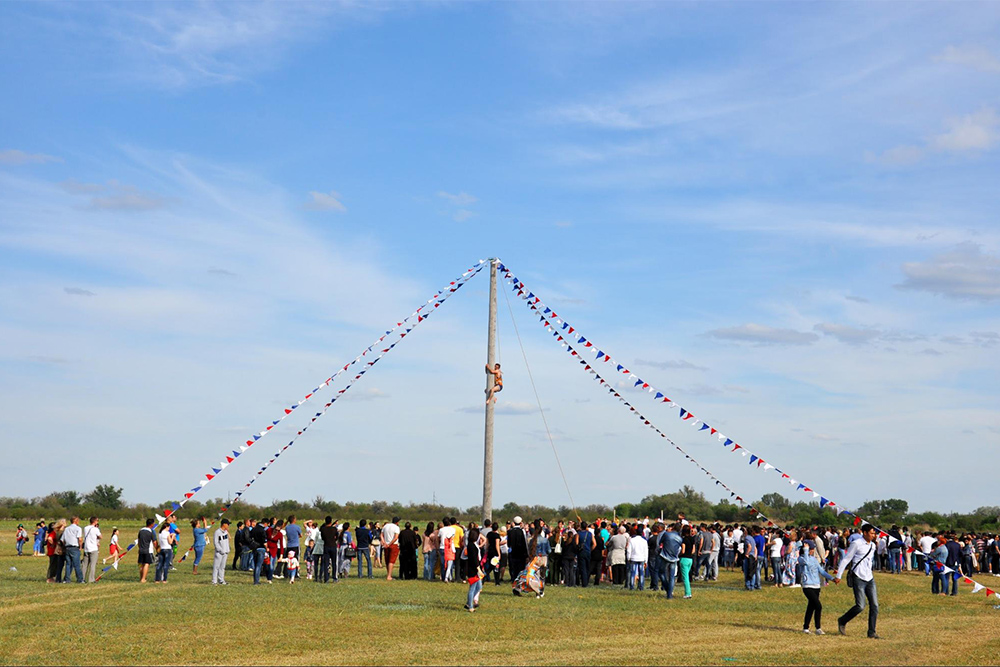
x: 188, y: 621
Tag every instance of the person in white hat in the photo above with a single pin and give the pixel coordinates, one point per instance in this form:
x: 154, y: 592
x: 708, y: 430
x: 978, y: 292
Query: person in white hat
x: 517, y: 543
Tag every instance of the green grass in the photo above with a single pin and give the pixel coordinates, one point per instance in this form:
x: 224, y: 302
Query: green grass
x: 188, y: 621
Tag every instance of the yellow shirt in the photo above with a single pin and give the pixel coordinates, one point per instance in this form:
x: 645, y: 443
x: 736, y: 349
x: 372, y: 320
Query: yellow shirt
x: 457, y: 540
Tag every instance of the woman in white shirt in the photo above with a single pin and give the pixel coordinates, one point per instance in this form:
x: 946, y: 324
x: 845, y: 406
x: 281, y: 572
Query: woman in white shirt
x: 775, y: 546
x: 165, y: 541
x: 638, y: 554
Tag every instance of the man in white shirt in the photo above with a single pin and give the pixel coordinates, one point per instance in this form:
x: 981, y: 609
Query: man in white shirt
x: 858, y: 558
x: 713, y: 561
x: 72, y: 540
x: 91, y: 549
x: 927, y: 543
x: 221, y: 543
x: 390, y: 545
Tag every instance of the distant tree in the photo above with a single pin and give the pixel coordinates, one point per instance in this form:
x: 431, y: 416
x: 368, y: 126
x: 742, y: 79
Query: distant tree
x: 68, y: 499
x: 106, y: 496
x: 892, y: 510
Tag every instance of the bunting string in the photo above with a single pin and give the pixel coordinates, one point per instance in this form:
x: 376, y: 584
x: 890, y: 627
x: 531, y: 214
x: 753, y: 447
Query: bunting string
x: 420, y: 314
x: 566, y: 335
x: 453, y: 287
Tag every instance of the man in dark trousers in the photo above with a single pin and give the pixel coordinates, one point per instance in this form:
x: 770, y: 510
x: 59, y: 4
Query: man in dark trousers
x: 258, y: 542
x: 330, y: 536
x: 238, y: 544
x: 517, y: 545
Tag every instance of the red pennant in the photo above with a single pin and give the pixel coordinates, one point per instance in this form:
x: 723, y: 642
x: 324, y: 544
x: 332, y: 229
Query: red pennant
x: 857, y: 520
x: 188, y: 495
x: 168, y: 512
x: 210, y: 477
x: 988, y: 592
x: 229, y: 459
x: 249, y: 443
x: 712, y: 431
x: 288, y: 411
x: 736, y: 446
x: 968, y: 581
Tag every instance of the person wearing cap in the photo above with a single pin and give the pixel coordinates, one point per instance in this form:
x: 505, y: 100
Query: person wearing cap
x: 517, y: 543
x: 221, y: 543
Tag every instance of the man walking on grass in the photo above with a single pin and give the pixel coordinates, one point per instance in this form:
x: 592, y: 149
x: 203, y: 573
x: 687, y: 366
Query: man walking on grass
x: 390, y: 545
x: 858, y: 560
x: 91, y: 549
x: 144, y: 547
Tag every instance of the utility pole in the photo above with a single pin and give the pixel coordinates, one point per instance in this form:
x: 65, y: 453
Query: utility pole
x: 491, y: 350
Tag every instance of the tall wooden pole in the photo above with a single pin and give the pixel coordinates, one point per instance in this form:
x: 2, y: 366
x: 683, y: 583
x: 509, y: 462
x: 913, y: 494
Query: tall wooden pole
x: 491, y: 348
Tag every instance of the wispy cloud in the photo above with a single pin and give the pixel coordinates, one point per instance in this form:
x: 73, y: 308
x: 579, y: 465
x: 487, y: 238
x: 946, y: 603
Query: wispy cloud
x: 14, y: 157
x: 847, y: 334
x: 759, y: 334
x: 974, y: 132
x: 325, y: 201
x: 675, y: 364
x: 460, y: 199
x: 463, y: 214
x: 78, y: 291
x: 963, y: 273
x: 75, y: 187
x: 970, y: 56
x: 503, y: 408
x: 114, y: 196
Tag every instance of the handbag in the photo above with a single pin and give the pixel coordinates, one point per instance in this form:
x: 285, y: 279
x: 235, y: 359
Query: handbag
x: 350, y: 552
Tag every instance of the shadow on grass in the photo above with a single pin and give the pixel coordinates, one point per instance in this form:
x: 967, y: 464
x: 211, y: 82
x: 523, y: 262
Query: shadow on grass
x: 753, y: 626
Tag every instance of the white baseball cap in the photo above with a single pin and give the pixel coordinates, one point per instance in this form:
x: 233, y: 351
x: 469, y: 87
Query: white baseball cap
x: 517, y: 521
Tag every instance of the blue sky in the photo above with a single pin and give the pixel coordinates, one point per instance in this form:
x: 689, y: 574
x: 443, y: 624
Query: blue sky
x: 783, y: 214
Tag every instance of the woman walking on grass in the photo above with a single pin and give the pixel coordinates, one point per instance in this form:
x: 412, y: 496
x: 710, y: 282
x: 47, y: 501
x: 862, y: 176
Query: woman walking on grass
x: 811, y: 571
x: 473, y: 572
x: 688, y: 554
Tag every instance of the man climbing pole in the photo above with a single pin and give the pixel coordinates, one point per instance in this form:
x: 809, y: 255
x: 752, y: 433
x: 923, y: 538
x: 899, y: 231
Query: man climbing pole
x: 497, y: 382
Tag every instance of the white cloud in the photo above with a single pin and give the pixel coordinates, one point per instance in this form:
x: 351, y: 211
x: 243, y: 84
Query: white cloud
x: 78, y: 291
x: 974, y: 132
x: 503, y: 408
x: 963, y: 273
x: 847, y: 334
x: 677, y: 364
x: 14, y: 157
x: 897, y: 157
x: 460, y: 199
x: 75, y: 187
x: 323, y: 201
x: 760, y: 334
x: 462, y: 214
x: 970, y: 56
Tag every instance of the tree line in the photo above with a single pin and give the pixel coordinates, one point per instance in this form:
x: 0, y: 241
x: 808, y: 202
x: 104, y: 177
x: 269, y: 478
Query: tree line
x: 106, y: 501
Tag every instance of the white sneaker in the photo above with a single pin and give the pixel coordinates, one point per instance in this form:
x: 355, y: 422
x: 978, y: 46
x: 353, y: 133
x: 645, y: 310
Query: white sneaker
x: 806, y: 630
x: 819, y: 632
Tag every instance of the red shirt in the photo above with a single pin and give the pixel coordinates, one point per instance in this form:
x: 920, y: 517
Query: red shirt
x: 274, y: 539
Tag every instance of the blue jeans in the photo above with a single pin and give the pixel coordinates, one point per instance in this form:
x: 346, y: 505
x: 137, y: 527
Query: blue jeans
x: 246, y: 559
x: 951, y: 578
x: 440, y: 560
x: 669, y: 577
x: 365, y: 552
x: 779, y: 569
x: 583, y: 568
x: 636, y: 570
x: 756, y: 578
x: 199, y: 551
x: 862, y: 590
x: 655, y: 572
x: 703, y: 560
x: 164, y: 561
x: 258, y: 563
x: 749, y: 572
x: 473, y: 592
x: 894, y: 560
x: 430, y: 559
x: 73, y: 564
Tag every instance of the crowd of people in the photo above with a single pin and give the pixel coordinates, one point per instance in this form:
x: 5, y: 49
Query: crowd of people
x: 628, y: 554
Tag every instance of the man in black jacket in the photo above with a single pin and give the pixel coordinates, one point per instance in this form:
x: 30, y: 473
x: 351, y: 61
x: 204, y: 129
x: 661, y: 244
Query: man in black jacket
x: 517, y: 544
x: 257, y: 541
x: 330, y: 536
x: 237, y: 544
